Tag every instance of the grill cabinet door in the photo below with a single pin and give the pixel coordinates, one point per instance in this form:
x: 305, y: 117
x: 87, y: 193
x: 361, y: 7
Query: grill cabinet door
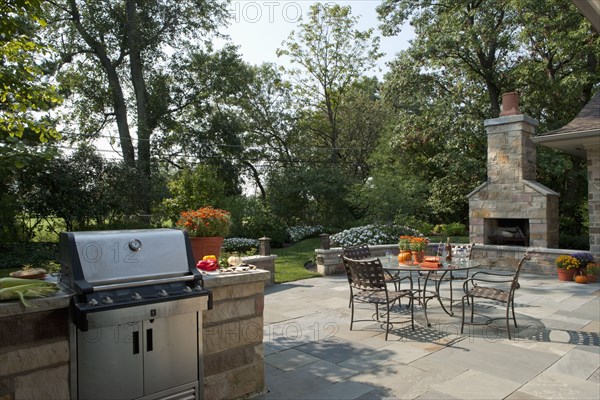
x: 170, y: 352
x: 110, y: 362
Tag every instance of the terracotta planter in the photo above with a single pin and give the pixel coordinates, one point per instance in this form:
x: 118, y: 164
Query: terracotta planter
x: 404, y: 256
x: 417, y: 256
x: 565, y: 274
x: 204, y: 246
x: 592, y: 278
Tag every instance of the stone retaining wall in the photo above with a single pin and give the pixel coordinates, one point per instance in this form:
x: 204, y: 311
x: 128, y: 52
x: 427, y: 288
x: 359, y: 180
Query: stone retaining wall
x: 329, y: 261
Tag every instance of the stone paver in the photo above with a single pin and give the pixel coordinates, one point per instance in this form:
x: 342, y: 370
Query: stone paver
x: 310, y: 352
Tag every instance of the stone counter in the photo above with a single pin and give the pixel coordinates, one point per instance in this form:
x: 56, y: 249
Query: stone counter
x: 34, y: 349
x: 233, y: 335
x: 34, y: 342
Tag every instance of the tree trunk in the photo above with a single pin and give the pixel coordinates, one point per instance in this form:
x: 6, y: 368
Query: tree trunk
x: 144, y: 125
x: 119, y: 106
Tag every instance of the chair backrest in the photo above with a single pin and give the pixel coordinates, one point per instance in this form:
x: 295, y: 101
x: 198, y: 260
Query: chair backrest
x: 515, y: 282
x: 365, y: 274
x: 357, y: 252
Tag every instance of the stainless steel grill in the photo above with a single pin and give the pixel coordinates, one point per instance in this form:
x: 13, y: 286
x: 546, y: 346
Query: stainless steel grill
x: 136, y: 314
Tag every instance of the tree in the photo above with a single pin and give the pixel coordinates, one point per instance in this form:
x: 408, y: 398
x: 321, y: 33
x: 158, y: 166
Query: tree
x: 120, y: 64
x: 331, y: 56
x: 24, y: 91
x: 466, y: 54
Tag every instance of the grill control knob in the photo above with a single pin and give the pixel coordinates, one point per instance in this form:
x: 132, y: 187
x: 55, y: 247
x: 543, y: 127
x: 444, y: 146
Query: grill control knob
x: 107, y: 300
x: 197, y: 288
x: 136, y: 296
x: 163, y: 293
x: 187, y: 289
x: 93, y: 302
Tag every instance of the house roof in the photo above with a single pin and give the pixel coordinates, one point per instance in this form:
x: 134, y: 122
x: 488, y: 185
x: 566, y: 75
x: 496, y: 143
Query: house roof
x: 581, y: 132
x: 591, y: 10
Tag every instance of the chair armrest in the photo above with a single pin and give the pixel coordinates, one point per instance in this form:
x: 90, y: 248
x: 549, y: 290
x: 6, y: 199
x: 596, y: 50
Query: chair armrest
x: 474, y: 279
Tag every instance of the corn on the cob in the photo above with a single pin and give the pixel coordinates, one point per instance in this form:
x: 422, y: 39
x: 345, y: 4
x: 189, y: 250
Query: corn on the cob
x: 20, y: 289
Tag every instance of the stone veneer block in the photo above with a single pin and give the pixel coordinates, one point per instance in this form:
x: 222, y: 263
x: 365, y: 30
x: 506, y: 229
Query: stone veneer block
x: 30, y: 357
x: 48, y: 383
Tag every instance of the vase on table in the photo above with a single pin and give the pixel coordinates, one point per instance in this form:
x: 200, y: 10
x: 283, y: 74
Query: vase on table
x: 404, y: 256
x: 206, y: 246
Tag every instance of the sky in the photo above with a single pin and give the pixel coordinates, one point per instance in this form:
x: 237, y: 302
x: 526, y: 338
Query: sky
x: 259, y: 27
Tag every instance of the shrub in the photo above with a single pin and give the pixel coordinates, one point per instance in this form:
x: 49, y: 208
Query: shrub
x: 241, y: 245
x: 372, y: 234
x: 298, y: 233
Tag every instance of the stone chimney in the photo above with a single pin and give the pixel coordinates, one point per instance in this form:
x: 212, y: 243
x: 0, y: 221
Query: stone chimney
x: 512, y: 202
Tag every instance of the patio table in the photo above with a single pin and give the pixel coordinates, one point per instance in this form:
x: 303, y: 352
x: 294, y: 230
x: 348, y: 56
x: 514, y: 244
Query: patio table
x: 393, y: 266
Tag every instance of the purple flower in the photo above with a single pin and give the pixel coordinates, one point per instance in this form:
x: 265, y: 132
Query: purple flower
x: 584, y: 258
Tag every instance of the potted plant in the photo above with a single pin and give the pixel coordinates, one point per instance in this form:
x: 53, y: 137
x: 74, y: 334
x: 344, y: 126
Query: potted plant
x: 584, y: 259
x: 566, y: 266
x: 592, y: 271
x: 417, y: 247
x: 404, y: 244
x: 207, y: 227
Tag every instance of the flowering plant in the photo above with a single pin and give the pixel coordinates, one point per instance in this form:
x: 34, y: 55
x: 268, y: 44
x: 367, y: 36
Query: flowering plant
x: 584, y: 258
x: 418, y: 243
x: 205, y: 222
x: 404, y: 243
x: 566, y: 262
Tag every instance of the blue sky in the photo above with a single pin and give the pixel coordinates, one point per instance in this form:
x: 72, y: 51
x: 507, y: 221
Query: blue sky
x: 259, y: 27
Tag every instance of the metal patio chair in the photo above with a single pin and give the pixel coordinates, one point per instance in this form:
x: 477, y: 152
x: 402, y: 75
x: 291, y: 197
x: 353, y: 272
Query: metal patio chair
x: 488, y: 285
x: 368, y: 285
x: 361, y: 252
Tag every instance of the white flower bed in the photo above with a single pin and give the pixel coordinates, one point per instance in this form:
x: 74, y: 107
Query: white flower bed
x: 297, y: 233
x: 239, y: 244
x: 371, y: 234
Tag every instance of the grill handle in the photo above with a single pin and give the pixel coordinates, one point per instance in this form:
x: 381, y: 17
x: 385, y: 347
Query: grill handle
x: 136, y: 342
x: 143, y: 283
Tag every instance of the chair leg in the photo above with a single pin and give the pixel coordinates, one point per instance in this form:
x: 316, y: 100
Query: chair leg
x: 512, y: 303
x: 351, y: 314
x: 412, y: 313
x: 472, y: 308
x: 462, y: 324
x: 387, y: 323
x: 508, y: 319
x: 377, y: 311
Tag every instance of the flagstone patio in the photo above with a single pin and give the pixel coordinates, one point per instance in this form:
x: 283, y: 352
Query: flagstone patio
x: 310, y: 353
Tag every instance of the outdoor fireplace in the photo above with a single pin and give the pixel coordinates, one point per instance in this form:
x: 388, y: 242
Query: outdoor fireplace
x: 511, y: 208
x: 506, y: 231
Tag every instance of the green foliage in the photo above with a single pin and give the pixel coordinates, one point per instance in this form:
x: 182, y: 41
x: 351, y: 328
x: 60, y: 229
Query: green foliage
x: 17, y: 255
x: 190, y: 189
x: 451, y: 229
x: 25, y: 94
x: 251, y: 218
x: 568, y: 241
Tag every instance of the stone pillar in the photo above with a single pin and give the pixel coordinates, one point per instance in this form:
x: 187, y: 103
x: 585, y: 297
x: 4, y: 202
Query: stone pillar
x: 325, y: 243
x: 511, y: 152
x: 264, y: 246
x: 593, y: 171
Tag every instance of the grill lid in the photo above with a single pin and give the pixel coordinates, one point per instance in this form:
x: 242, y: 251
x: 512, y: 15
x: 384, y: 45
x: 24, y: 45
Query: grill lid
x: 113, y: 258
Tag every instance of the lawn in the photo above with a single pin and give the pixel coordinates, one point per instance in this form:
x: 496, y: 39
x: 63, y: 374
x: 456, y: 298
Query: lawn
x: 289, y: 265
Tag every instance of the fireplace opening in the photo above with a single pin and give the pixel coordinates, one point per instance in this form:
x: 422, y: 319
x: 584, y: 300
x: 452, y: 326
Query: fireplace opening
x: 507, y: 231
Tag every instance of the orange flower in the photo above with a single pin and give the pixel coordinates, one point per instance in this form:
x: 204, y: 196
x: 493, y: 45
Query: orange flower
x: 206, y: 221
